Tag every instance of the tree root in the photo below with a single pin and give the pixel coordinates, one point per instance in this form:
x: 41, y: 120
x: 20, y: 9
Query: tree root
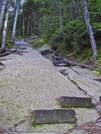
x: 64, y: 60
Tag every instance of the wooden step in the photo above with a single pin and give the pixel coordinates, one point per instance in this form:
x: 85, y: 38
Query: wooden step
x: 65, y: 101
x: 54, y: 116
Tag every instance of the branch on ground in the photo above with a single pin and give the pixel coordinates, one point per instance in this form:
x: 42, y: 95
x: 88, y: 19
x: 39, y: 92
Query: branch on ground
x: 18, y: 50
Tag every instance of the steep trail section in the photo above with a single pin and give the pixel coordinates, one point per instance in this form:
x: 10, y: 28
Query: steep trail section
x: 30, y: 82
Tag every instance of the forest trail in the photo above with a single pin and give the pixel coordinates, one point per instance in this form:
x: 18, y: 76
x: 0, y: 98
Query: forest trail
x: 30, y: 82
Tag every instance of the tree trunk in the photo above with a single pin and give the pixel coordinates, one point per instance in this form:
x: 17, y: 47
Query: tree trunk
x: 70, y: 11
x: 89, y: 27
x: 0, y: 5
x: 28, y: 27
x: 15, y: 22
x: 2, y: 12
x: 5, y: 28
x: 23, y: 27
x: 75, y: 7
x: 61, y: 24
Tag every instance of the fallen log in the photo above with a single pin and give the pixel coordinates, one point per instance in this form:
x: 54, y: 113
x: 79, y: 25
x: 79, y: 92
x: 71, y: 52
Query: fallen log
x: 15, y: 50
x: 5, y: 53
x: 72, y: 63
x: 77, y: 64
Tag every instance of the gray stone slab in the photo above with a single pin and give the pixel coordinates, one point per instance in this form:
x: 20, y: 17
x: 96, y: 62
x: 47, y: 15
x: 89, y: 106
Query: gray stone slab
x: 54, y: 116
x: 75, y: 101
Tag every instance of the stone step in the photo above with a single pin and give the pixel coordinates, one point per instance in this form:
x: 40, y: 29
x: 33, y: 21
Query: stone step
x: 65, y: 101
x: 54, y: 116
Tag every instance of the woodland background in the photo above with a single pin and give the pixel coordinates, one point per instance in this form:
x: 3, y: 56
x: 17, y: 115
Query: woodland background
x: 70, y: 26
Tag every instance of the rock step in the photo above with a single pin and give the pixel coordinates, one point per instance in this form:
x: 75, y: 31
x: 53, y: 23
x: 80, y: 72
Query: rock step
x: 54, y: 116
x: 65, y: 101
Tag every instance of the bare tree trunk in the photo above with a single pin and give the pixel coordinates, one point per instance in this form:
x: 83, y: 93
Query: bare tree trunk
x: 75, y: 7
x: 28, y: 27
x: 89, y: 27
x: 1, y: 2
x: 2, y: 12
x: 5, y: 28
x: 23, y: 27
x: 70, y: 11
x: 15, y: 22
x: 61, y: 24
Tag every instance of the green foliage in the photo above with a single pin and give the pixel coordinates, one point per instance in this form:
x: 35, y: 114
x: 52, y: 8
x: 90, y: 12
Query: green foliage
x: 2, y: 59
x: 57, y: 21
x: 8, y: 44
x: 37, y: 43
x: 99, y: 60
x: 33, y: 120
x: 70, y: 37
x: 74, y: 32
x: 95, y: 13
x: 84, y: 54
x: 22, y: 36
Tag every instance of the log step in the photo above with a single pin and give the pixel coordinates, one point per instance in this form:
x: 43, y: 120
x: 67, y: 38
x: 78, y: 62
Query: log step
x: 65, y: 101
x: 54, y: 116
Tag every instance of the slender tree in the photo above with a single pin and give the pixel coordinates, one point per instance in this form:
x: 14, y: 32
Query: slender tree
x: 3, y: 5
x: 23, y: 26
x: 28, y: 26
x: 75, y: 7
x: 5, y: 28
x: 15, y: 22
x: 89, y: 27
x: 61, y: 24
x: 70, y: 11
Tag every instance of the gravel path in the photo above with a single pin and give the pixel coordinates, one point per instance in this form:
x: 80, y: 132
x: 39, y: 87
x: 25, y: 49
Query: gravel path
x: 30, y: 82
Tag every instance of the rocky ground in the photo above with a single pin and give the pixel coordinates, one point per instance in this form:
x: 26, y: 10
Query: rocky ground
x: 29, y: 81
